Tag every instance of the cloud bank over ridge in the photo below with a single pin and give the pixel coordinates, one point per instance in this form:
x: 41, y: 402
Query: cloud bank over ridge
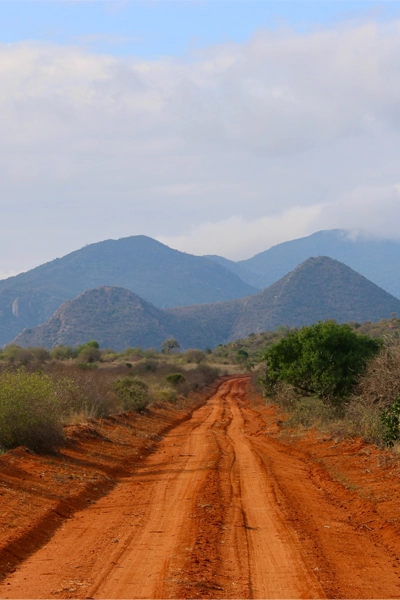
x: 228, y: 151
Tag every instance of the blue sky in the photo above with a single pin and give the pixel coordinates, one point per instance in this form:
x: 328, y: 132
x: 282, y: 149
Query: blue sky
x: 154, y: 28
x: 217, y: 127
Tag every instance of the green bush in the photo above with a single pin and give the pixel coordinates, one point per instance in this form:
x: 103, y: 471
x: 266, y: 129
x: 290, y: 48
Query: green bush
x: 390, y: 418
x: 64, y: 352
x: 29, y: 411
x: 175, y: 378
x: 87, y: 366
x: 89, y: 353
x: 324, y: 360
x: 166, y: 395
x: 133, y: 393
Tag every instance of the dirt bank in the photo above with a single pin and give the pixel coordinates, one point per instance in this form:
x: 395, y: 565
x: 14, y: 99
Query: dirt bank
x: 226, y: 506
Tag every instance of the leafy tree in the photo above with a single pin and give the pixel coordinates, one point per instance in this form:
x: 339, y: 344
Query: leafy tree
x: 242, y: 355
x: 90, y: 352
x: 170, y: 345
x: 324, y: 359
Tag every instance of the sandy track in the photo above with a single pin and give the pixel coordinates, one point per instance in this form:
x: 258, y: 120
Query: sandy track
x: 218, y: 511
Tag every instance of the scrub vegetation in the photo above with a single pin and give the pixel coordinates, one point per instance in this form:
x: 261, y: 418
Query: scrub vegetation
x: 334, y: 377
x: 345, y: 378
x: 40, y: 390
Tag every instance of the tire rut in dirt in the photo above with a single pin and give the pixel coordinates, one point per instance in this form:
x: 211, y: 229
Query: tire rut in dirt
x: 213, y: 568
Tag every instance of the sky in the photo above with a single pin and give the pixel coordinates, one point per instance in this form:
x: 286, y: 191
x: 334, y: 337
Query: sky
x: 215, y: 126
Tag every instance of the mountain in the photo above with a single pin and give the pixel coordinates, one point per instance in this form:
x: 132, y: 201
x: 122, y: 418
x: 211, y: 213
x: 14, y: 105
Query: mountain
x: 113, y: 316
x: 163, y: 276
x: 245, y: 273
x: 320, y: 288
x: 378, y: 260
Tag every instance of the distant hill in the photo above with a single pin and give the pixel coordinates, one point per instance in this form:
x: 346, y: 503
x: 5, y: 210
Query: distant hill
x: 320, y: 288
x: 163, y: 276
x: 378, y: 260
x: 113, y: 316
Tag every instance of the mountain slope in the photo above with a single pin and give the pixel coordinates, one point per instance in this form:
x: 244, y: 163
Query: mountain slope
x: 113, y: 316
x: 161, y: 275
x: 320, y: 288
x: 377, y: 260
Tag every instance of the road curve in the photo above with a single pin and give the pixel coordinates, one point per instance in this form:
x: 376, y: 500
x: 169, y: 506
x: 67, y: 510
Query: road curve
x: 201, y: 517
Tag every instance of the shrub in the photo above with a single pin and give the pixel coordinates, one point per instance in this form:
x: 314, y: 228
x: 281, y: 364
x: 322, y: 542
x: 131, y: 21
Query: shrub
x: 390, y: 418
x: 87, y: 366
x: 133, y: 393
x: 146, y: 366
x: 89, y: 354
x: 29, y: 411
x: 175, y: 378
x: 85, y: 391
x: 15, y: 355
x: 310, y: 412
x: 380, y: 383
x: 63, y: 352
x: 166, y: 395
x: 324, y: 360
x: 194, y: 356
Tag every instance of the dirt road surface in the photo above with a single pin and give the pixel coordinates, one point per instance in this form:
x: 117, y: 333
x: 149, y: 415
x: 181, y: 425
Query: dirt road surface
x: 219, y: 510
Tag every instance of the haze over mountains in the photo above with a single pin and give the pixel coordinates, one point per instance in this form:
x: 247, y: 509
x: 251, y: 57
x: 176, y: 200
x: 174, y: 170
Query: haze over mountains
x: 378, y: 260
x: 318, y: 289
x: 160, y: 275
x: 167, y: 278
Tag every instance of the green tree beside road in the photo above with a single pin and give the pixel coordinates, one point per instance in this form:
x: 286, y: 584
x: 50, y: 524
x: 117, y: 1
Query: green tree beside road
x: 324, y: 360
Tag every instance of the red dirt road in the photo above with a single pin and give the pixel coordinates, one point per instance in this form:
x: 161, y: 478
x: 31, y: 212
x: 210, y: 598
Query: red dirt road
x: 219, y: 510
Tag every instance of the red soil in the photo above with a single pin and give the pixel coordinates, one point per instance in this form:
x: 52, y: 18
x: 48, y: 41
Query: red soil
x: 225, y: 505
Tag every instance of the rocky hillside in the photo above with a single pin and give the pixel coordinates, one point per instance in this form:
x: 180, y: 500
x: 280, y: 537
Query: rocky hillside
x: 163, y: 276
x: 113, y: 316
x: 318, y: 289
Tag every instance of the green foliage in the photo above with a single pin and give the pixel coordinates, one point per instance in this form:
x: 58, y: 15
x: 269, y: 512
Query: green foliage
x: 175, y: 378
x: 29, y: 411
x: 242, y: 355
x: 64, y: 352
x: 87, y: 366
x: 133, y: 393
x: 324, y: 359
x: 90, y: 352
x: 93, y: 344
x: 391, y: 423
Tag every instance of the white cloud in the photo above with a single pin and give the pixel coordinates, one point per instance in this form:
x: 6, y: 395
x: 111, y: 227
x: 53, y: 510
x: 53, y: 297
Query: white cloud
x: 237, y: 146
x: 375, y: 211
x: 237, y: 237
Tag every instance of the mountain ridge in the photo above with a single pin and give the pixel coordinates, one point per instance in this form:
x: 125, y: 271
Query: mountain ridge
x: 319, y: 289
x: 159, y: 274
x: 378, y: 260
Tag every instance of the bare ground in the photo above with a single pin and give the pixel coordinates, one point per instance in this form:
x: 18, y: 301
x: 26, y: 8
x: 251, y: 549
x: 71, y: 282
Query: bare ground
x: 225, y: 506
